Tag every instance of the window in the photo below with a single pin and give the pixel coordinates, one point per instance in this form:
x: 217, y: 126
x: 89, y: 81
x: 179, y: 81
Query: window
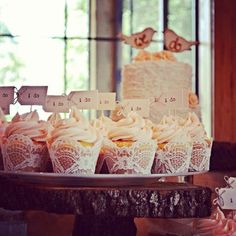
x: 71, y: 44
x: 44, y: 43
x: 189, y: 18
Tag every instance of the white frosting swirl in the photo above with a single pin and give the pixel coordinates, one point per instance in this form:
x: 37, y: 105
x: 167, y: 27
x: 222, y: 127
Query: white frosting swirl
x: 169, y: 130
x: 28, y: 124
x: 131, y: 128
x: 103, y: 124
x: 76, y: 127
x: 54, y: 118
x: 194, y: 127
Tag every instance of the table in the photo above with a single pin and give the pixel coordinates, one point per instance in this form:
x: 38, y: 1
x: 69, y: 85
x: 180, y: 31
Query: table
x: 108, y: 210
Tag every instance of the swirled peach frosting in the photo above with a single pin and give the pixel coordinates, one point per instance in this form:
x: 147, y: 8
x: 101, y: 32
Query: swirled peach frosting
x: 131, y: 128
x: 194, y: 127
x: 76, y: 127
x: 28, y: 124
x: 103, y: 124
x: 169, y: 130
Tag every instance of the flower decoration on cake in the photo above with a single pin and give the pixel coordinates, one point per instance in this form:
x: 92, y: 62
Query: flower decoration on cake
x: 193, y: 100
x: 139, y: 40
x: 175, y: 43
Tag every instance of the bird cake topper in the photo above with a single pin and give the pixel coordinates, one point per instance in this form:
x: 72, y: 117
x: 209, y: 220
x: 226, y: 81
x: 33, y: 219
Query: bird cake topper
x: 175, y: 43
x: 139, y: 40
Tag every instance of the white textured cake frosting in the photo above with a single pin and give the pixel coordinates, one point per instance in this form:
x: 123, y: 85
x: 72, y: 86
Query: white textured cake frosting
x: 152, y: 74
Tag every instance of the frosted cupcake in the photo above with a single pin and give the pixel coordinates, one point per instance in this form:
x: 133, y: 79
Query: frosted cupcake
x: 54, y: 118
x: 129, y: 148
x: 3, y: 125
x: 216, y: 225
x: 200, y: 160
x: 103, y: 124
x: 174, y: 147
x: 74, y: 145
x: 24, y: 144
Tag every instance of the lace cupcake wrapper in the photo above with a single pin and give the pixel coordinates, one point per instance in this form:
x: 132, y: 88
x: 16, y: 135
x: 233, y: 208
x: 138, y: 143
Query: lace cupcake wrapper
x: 200, y: 158
x: 20, y: 153
x: 71, y: 157
x: 135, y: 159
x: 172, y: 158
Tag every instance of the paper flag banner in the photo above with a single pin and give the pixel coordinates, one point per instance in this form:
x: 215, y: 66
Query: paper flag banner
x: 5, y: 108
x: 141, y: 106
x: 6, y: 95
x: 84, y: 99
x: 32, y: 95
x: 55, y: 103
x: 172, y: 99
x: 107, y: 101
x: 139, y: 40
x: 175, y: 43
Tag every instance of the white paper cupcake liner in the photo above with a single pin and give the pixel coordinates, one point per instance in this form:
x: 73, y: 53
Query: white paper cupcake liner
x: 71, y: 157
x: 20, y: 153
x: 172, y: 158
x: 200, y: 159
x: 135, y: 159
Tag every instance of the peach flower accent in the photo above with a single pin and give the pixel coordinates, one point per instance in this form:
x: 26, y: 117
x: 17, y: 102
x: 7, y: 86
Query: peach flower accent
x: 157, y: 56
x: 193, y: 100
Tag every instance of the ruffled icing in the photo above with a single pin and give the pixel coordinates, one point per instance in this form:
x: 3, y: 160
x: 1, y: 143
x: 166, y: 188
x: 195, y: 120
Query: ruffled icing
x: 169, y: 130
x: 131, y: 128
x: 76, y: 127
x: 194, y: 127
x: 28, y: 124
x: 103, y: 124
x: 54, y: 118
x: 157, y: 56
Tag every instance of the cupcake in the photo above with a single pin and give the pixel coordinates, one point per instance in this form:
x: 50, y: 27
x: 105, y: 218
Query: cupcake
x: 200, y: 159
x: 129, y: 148
x: 74, y: 145
x: 54, y: 118
x: 102, y: 124
x: 3, y: 125
x: 216, y: 225
x: 174, y: 147
x: 24, y: 144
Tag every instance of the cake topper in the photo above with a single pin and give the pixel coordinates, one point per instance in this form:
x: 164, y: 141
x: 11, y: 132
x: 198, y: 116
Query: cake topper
x: 139, y: 40
x: 175, y: 43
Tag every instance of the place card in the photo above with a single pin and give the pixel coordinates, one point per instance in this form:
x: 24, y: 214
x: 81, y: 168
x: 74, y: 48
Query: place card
x: 231, y: 181
x: 32, y: 95
x: 141, y: 106
x: 6, y: 95
x: 54, y: 103
x: 107, y: 101
x: 171, y: 99
x: 84, y: 99
x: 227, y: 198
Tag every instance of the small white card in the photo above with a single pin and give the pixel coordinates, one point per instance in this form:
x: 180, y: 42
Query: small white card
x: 32, y: 95
x: 227, y: 198
x: 172, y: 99
x: 141, y: 106
x: 54, y: 103
x: 84, y: 99
x: 232, y: 182
x: 6, y: 95
x: 107, y: 101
